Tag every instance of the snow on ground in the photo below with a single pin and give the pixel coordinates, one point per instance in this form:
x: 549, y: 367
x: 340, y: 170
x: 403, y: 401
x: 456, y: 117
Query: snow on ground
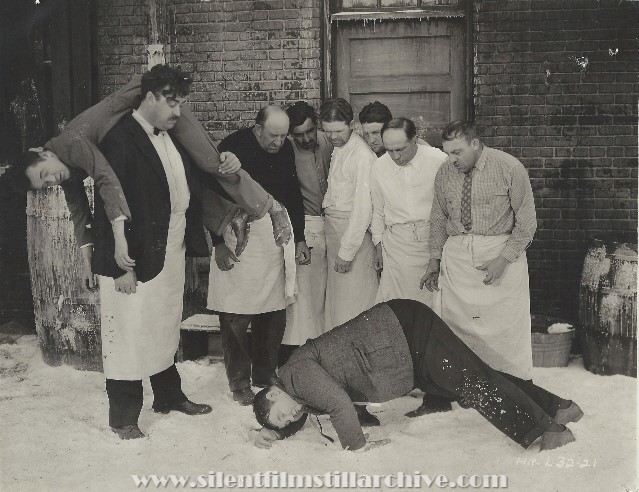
x: 54, y: 435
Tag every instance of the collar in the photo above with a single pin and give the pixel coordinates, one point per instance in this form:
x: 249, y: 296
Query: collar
x: 400, y: 168
x: 148, y: 127
x: 481, y: 162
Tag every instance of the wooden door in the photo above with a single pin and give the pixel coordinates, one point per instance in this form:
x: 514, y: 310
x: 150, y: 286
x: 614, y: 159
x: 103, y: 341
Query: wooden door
x: 417, y: 67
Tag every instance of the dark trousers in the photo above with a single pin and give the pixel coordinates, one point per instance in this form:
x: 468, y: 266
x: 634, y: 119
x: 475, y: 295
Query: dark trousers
x: 445, y: 366
x: 267, y: 330
x: 544, y: 398
x: 125, y: 397
x: 285, y: 353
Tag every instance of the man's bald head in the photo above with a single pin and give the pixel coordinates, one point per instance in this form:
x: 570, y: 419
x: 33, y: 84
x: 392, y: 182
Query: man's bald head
x: 271, y: 128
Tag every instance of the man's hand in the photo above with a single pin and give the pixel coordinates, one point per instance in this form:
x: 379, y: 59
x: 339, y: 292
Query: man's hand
x: 373, y: 444
x: 430, y: 280
x: 229, y: 163
x: 90, y: 280
x: 302, y: 253
x: 264, y: 438
x: 121, y: 255
x: 378, y: 260
x: 224, y: 257
x: 126, y: 283
x: 343, y: 266
x: 494, y: 269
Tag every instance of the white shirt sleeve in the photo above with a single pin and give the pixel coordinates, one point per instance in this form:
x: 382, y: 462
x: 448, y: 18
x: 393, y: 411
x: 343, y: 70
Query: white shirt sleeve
x: 361, y: 213
x: 378, y: 222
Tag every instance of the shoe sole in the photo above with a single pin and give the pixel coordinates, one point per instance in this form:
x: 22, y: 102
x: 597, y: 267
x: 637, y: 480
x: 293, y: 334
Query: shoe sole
x: 554, y: 440
x: 575, y: 416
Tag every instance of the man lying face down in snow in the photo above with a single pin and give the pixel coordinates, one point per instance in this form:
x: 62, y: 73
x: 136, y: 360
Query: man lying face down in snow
x: 383, y: 354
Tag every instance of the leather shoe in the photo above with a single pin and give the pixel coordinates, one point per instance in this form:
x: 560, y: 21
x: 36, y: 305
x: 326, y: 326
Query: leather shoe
x: 552, y: 440
x: 127, y: 432
x: 282, y: 231
x: 571, y: 414
x: 366, y: 419
x: 241, y: 227
x: 428, y: 408
x: 244, y: 396
x: 187, y: 407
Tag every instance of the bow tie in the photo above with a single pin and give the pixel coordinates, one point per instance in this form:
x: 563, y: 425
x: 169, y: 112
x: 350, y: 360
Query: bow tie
x: 156, y: 131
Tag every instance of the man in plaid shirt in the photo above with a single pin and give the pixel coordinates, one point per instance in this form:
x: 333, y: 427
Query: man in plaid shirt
x: 482, y: 220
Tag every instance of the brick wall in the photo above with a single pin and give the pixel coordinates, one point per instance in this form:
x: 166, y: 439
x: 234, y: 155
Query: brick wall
x: 556, y: 86
x: 242, y: 54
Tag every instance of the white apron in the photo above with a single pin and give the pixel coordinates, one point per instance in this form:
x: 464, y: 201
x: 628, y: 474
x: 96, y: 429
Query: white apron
x: 405, y: 255
x: 140, y: 332
x: 348, y: 294
x: 493, y: 320
x: 305, y: 317
x: 257, y: 284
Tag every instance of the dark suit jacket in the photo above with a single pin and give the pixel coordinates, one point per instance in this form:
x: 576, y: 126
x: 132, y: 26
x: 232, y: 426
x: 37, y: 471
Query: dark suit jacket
x: 138, y: 167
x: 365, y: 359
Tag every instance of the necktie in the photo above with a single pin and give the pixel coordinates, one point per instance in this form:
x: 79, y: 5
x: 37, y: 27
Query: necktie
x: 466, y: 211
x: 156, y: 131
x: 320, y: 173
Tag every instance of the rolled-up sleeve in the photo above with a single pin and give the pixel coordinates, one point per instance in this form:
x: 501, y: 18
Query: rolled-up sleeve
x: 523, y: 204
x: 438, y: 218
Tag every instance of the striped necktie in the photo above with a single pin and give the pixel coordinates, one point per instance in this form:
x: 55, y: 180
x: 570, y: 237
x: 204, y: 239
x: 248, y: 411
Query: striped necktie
x: 466, y: 211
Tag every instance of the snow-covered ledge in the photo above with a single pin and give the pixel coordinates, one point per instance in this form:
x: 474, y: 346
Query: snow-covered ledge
x: 397, y: 14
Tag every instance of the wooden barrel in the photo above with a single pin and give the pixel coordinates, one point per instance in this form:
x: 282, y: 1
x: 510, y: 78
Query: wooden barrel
x: 608, y: 308
x: 67, y: 316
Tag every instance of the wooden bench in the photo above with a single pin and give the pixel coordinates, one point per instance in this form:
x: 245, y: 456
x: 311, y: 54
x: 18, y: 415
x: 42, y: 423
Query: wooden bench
x: 203, y: 323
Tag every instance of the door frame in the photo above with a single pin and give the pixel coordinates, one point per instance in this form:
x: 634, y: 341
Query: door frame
x: 328, y: 28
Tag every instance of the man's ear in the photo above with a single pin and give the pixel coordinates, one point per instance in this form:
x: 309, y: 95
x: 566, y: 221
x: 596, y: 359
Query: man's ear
x: 273, y: 393
x: 475, y: 143
x: 149, y: 97
x: 351, y: 125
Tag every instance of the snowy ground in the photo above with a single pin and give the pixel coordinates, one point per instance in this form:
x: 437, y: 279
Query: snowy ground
x: 54, y: 435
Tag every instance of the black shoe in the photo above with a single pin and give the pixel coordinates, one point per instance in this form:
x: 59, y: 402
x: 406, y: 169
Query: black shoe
x: 552, y: 440
x: 127, y: 432
x: 187, y: 407
x: 244, y: 396
x: 571, y: 414
x: 428, y: 408
x: 366, y: 419
x: 241, y: 227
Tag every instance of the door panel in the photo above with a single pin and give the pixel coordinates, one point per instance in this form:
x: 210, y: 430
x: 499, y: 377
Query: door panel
x: 415, y: 67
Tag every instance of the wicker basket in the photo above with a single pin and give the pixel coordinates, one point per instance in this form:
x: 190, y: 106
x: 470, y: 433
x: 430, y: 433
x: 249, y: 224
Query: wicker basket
x: 549, y: 349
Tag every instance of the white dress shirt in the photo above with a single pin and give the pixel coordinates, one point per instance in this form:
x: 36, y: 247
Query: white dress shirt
x: 349, y: 191
x: 402, y: 194
x: 172, y: 163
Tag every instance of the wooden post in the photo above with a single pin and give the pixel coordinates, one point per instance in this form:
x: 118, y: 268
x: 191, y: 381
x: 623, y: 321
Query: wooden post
x: 67, y: 315
x: 156, y: 49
